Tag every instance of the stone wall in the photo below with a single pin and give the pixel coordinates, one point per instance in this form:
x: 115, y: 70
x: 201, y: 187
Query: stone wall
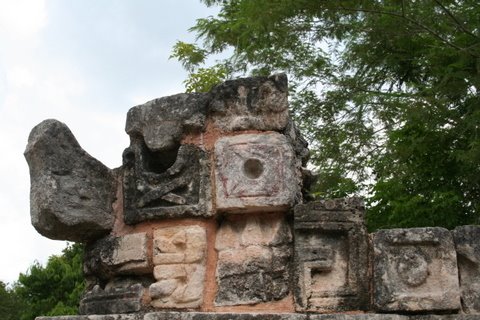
x: 209, y: 215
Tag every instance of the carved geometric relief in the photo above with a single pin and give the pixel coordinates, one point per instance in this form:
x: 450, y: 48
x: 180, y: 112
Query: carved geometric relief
x: 165, y: 184
x: 255, y: 172
x: 253, y: 259
x: 331, y: 256
x: 467, y: 245
x: 179, y: 255
x: 415, y: 270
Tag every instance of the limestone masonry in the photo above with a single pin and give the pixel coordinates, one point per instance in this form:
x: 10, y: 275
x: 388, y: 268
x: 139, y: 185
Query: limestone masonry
x: 209, y: 217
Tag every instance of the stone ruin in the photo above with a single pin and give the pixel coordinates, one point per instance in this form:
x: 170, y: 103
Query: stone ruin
x: 209, y: 218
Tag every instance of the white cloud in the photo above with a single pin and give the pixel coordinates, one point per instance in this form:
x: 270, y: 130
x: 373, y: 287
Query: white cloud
x: 22, y: 18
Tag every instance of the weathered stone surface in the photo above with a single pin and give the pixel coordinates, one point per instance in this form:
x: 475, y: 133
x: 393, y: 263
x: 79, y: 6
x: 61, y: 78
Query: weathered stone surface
x: 331, y: 256
x: 165, y: 184
x: 111, y: 256
x: 253, y: 259
x: 255, y: 172
x: 262, y: 316
x: 366, y: 316
x: 222, y: 316
x: 415, y: 270
x: 258, y: 103
x: 97, y: 317
x: 179, y: 255
x: 71, y: 193
x: 446, y: 317
x: 467, y: 244
x: 163, y: 179
x: 162, y: 122
x: 114, y: 300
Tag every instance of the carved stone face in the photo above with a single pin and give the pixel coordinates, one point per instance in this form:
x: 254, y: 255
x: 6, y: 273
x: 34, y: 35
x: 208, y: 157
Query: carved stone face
x: 415, y: 270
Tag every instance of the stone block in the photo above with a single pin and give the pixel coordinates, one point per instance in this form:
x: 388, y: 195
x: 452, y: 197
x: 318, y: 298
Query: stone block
x: 71, y: 193
x: 253, y: 259
x: 255, y: 172
x: 365, y: 316
x: 96, y: 317
x: 112, y: 255
x: 258, y: 103
x: 467, y: 244
x: 162, y: 122
x: 115, y: 300
x: 163, y: 184
x: 415, y: 270
x: 179, y: 255
x: 223, y: 316
x: 331, y: 256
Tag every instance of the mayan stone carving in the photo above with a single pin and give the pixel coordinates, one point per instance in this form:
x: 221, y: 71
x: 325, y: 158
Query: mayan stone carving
x: 163, y: 178
x: 253, y: 259
x: 179, y: 255
x: 210, y: 217
x: 253, y: 172
x: 467, y: 244
x: 415, y: 270
x: 71, y: 193
x: 331, y: 256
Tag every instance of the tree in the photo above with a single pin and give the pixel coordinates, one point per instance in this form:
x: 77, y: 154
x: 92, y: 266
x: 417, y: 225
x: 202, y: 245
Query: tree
x: 54, y: 289
x: 9, y: 303
x: 387, y: 93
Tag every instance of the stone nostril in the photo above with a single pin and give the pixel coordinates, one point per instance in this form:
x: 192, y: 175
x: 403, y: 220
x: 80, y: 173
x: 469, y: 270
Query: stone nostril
x: 253, y: 168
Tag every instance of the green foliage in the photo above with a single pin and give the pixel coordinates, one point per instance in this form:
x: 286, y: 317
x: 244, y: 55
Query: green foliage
x: 387, y: 93
x: 10, y: 306
x: 199, y: 79
x: 54, y: 289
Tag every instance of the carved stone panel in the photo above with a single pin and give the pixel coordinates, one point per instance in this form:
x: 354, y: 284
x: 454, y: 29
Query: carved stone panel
x: 165, y: 184
x: 253, y: 259
x: 415, y: 270
x: 467, y: 244
x: 179, y: 255
x: 255, y: 172
x: 331, y: 256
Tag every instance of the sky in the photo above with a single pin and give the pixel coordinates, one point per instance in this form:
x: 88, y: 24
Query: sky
x: 84, y: 63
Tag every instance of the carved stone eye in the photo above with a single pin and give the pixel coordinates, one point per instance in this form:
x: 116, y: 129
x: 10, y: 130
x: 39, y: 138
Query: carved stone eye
x: 253, y: 168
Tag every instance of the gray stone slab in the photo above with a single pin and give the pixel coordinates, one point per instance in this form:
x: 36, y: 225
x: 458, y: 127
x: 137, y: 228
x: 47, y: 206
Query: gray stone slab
x: 162, y: 122
x: 71, y: 193
x: 222, y: 316
x: 467, y: 244
x: 366, y: 316
x: 331, y: 256
x: 123, y: 255
x: 258, y: 103
x: 415, y: 270
x: 115, y: 300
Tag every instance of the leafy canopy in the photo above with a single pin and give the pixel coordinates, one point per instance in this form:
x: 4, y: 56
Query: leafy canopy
x: 54, y: 289
x: 387, y: 93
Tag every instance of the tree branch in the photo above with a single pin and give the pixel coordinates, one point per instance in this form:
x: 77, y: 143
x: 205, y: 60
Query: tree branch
x: 457, y: 22
x: 415, y: 22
